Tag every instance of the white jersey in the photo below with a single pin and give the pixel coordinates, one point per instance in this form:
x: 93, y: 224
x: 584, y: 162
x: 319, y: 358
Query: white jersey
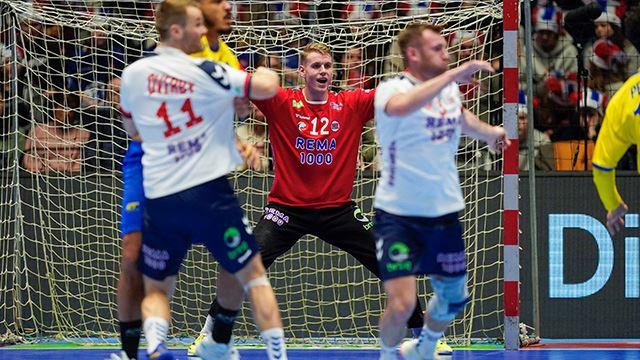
x: 419, y: 175
x: 183, y: 110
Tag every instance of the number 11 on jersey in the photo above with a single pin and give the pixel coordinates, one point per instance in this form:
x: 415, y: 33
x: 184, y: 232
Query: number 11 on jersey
x: 186, y: 108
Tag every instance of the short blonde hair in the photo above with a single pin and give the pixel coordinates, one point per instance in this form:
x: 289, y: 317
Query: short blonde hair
x: 315, y: 47
x: 171, y: 12
x: 411, y: 34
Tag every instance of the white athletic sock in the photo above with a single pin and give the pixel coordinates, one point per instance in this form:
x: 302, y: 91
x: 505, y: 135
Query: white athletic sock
x: 387, y: 352
x: 155, y: 332
x: 428, y: 340
x: 208, y: 326
x: 274, y: 339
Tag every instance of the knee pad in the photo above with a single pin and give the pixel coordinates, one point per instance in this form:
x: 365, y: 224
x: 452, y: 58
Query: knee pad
x: 451, y: 296
x: 259, y: 281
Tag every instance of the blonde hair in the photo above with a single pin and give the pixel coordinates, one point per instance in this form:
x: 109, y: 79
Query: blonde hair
x: 315, y: 47
x: 171, y: 12
x: 411, y: 34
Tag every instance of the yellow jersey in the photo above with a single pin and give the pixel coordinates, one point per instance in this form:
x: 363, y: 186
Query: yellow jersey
x: 223, y: 54
x: 620, y: 129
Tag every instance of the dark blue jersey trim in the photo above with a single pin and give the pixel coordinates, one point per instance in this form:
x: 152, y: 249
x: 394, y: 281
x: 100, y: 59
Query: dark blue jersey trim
x: 602, y: 168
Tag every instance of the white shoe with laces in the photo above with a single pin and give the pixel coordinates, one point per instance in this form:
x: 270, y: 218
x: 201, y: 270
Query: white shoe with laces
x: 208, y: 349
x: 409, y: 351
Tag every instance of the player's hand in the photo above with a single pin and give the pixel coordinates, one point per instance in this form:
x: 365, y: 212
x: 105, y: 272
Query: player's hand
x: 615, y: 219
x: 498, y: 140
x: 268, y: 73
x: 241, y: 106
x: 250, y: 154
x: 465, y: 72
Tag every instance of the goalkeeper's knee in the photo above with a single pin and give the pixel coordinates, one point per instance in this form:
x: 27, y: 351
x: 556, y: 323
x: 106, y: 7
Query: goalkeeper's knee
x: 451, y: 296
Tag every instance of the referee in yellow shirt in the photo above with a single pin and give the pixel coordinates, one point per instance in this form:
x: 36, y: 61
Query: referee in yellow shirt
x: 620, y: 129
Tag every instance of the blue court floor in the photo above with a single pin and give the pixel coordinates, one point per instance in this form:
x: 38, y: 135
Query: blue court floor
x: 306, y: 354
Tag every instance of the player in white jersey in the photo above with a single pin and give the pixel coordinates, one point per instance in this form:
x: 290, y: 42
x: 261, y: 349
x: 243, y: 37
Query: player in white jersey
x: 182, y: 109
x: 419, y: 118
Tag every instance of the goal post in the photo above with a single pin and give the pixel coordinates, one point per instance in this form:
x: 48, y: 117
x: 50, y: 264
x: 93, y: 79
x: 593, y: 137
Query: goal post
x: 60, y: 201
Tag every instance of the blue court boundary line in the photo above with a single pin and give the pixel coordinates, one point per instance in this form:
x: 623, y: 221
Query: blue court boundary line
x: 560, y: 341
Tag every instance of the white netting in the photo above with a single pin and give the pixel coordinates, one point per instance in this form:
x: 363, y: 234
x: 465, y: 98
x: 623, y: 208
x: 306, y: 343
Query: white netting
x: 61, y: 184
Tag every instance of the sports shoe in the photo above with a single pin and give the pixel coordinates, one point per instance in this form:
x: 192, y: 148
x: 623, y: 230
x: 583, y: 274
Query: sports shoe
x: 409, y: 351
x: 192, y: 348
x: 388, y: 356
x: 208, y: 349
x: 442, y: 348
x: 122, y: 356
x: 161, y: 353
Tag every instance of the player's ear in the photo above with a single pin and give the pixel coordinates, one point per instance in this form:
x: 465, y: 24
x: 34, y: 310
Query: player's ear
x: 301, y: 70
x: 176, y: 31
x: 412, y: 53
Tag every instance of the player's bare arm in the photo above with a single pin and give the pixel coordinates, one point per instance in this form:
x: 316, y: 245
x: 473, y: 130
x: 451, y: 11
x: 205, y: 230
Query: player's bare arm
x: 130, y: 127
x: 494, y: 136
x: 405, y: 103
x: 264, y: 84
x: 250, y: 155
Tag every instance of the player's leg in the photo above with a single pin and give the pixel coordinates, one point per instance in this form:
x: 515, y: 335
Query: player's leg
x: 398, y: 250
x: 157, y: 316
x: 450, y: 298
x: 166, y: 238
x: 222, y: 316
x: 350, y: 230
x: 275, y: 236
x: 443, y: 258
x: 222, y: 313
x: 401, y: 300
x: 265, y: 308
x: 130, y: 291
x: 231, y: 242
x: 130, y: 294
x: 266, y: 315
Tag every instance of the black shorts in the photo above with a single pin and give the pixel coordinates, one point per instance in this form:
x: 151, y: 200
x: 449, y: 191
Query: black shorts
x: 344, y: 227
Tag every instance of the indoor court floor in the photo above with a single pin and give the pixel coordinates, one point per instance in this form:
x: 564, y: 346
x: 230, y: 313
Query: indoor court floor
x: 369, y: 354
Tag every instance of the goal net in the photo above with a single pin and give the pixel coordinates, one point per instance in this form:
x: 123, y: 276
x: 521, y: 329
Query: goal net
x: 63, y: 144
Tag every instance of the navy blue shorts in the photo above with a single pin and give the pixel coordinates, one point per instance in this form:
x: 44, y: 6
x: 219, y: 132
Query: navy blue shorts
x: 207, y: 214
x: 408, y: 245
x: 133, y: 192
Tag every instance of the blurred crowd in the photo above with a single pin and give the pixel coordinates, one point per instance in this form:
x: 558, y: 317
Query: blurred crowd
x: 66, y: 93
x: 607, y: 49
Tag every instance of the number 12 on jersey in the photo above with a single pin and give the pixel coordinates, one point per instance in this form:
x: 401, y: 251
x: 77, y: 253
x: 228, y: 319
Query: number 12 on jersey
x: 323, y: 130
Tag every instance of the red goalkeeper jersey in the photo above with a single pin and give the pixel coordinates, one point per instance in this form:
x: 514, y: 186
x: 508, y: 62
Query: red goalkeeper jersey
x: 315, y: 145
